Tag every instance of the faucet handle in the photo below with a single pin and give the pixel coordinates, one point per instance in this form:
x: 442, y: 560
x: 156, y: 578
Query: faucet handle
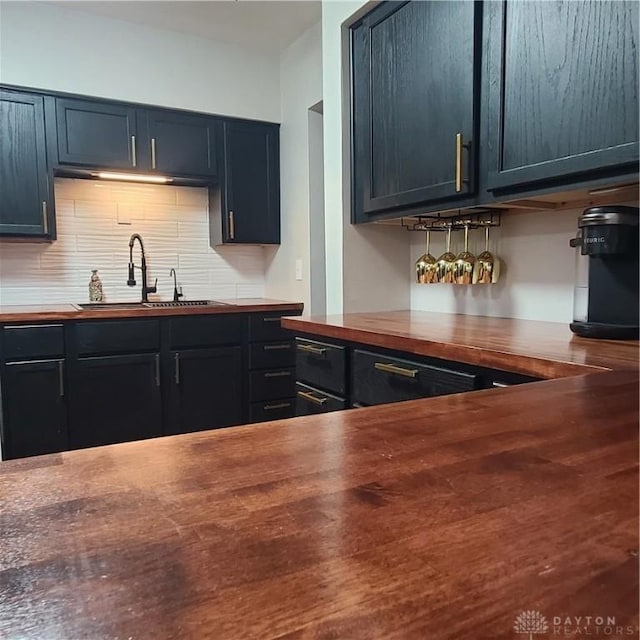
x: 153, y: 289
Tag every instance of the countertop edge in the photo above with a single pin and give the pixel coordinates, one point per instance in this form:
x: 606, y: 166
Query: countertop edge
x: 524, y: 364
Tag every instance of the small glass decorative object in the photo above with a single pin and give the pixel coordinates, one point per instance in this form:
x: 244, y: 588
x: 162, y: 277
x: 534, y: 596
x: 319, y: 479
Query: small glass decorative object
x: 95, y: 287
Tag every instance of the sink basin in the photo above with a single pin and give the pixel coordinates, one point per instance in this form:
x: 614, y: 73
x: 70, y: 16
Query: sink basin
x: 107, y: 306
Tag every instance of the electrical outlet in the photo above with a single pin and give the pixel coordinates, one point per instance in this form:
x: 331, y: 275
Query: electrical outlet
x: 298, y: 269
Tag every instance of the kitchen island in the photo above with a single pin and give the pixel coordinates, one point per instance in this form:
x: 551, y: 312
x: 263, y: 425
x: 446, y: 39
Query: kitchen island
x: 437, y: 518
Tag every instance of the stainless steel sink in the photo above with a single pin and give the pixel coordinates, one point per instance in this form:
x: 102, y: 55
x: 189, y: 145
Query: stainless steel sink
x: 107, y: 306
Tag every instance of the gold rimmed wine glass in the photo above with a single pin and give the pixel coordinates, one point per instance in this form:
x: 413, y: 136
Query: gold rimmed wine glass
x: 487, y: 267
x: 446, y: 263
x: 426, y: 265
x: 463, y: 267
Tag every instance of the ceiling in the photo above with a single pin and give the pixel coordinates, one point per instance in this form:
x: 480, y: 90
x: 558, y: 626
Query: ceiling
x: 266, y: 25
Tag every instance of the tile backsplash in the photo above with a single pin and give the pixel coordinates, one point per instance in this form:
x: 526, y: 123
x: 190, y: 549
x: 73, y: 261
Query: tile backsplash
x: 95, y: 220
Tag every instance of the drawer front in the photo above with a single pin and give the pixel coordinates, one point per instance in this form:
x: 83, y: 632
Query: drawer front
x: 321, y: 365
x: 33, y: 342
x: 117, y: 336
x: 205, y: 331
x: 272, y: 410
x: 310, y: 401
x: 266, y: 327
x: 272, y: 384
x: 378, y: 379
x: 270, y: 355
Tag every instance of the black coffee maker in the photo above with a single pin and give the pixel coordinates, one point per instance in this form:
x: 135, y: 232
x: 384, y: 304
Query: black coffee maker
x: 605, y: 303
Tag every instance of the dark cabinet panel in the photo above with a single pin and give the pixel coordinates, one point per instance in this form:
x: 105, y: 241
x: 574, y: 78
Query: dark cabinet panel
x: 310, y: 401
x: 32, y: 342
x: 563, y: 89
x: 251, y: 192
x: 26, y: 200
x: 414, y: 96
x: 206, y: 389
x: 379, y: 379
x: 180, y: 144
x: 34, y: 408
x: 115, y: 399
x: 96, y: 134
x: 272, y: 410
x: 322, y: 365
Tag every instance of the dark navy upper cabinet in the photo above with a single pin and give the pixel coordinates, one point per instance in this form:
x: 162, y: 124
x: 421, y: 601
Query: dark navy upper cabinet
x: 250, y: 198
x: 563, y: 90
x: 414, y: 104
x: 26, y: 198
x: 96, y: 134
x: 179, y: 144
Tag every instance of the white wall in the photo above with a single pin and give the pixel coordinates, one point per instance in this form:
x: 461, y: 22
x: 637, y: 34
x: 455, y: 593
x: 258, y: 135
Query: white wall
x: 95, y: 220
x: 50, y: 47
x: 365, y: 264
x: 301, y: 87
x: 536, y: 281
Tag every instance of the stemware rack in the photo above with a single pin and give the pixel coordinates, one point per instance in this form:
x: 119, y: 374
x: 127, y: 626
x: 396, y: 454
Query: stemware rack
x: 477, y: 220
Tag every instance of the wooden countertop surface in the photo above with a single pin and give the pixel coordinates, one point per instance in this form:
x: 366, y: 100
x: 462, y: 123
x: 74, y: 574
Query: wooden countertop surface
x: 541, y: 349
x: 53, y: 312
x: 439, y: 518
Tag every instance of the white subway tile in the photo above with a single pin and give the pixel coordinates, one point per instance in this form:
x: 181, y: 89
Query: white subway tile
x: 96, y: 210
x: 194, y: 196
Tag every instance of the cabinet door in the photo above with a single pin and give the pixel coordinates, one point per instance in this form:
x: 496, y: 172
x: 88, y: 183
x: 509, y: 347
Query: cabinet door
x: 251, y: 203
x: 34, y: 408
x: 25, y: 200
x: 115, y: 399
x: 414, y: 97
x: 180, y: 144
x: 96, y: 134
x: 563, y: 89
x: 206, y: 389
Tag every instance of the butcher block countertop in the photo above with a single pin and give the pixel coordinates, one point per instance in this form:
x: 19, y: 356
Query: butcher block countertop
x: 52, y: 312
x: 433, y: 519
x: 539, y: 349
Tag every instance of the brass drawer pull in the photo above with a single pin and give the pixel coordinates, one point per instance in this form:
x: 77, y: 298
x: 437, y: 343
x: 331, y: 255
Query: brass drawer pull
x: 45, y: 219
x: 153, y: 153
x: 277, y: 374
x: 280, y: 405
x: 157, y: 359
x: 276, y: 347
x: 307, y: 395
x: 392, y: 368
x: 61, y: 377
x: 307, y: 348
x: 232, y: 226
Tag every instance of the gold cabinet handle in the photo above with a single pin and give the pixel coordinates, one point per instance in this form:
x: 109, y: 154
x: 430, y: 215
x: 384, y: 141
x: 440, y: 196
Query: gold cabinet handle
x: 458, y: 162
x: 316, y: 351
x: 276, y: 347
x: 177, y: 371
x: 460, y: 146
x: 153, y: 153
x: 392, y: 368
x: 45, y: 218
x: 61, y: 377
x: 134, y: 159
x: 307, y: 395
x: 280, y: 405
x: 277, y: 374
x: 232, y: 226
